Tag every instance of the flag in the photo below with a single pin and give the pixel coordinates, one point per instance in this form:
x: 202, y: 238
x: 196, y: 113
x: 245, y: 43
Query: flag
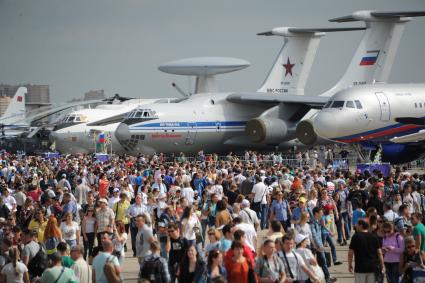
x: 370, y: 58
x: 101, y: 138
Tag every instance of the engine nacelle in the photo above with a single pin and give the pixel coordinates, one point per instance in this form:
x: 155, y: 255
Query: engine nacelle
x: 269, y: 130
x: 305, y: 133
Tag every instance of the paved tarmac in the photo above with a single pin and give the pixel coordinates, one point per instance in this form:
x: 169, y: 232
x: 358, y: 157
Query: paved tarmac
x: 131, y: 267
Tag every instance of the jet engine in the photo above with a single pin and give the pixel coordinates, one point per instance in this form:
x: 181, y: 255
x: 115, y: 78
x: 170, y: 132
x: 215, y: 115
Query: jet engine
x: 269, y: 130
x: 305, y: 132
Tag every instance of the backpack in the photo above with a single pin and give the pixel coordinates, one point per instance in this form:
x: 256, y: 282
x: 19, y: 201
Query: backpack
x: 38, y: 263
x: 356, y: 199
x: 110, y: 272
x: 152, y: 270
x: 51, y: 245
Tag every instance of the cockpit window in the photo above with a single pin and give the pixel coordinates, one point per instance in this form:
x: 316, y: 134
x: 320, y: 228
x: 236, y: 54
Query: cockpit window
x: 358, y: 104
x: 142, y: 113
x: 338, y: 104
x: 328, y: 104
x: 349, y: 104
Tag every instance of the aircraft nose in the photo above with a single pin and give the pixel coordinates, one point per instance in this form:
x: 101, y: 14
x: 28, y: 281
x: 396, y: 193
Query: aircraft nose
x: 122, y: 132
x: 325, y: 125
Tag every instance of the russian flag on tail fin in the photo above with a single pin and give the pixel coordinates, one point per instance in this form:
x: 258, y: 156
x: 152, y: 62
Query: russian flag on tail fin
x: 370, y: 58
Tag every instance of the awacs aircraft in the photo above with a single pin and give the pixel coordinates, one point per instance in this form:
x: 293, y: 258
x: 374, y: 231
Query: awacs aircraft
x: 387, y: 116
x: 78, y: 131
x: 212, y: 121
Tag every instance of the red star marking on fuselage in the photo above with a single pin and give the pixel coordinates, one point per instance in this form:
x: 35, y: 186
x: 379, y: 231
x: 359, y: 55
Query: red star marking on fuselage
x: 288, y: 67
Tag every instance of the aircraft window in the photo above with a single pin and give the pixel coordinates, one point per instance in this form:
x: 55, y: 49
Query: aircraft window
x: 349, y: 104
x: 420, y: 104
x: 338, y: 104
x: 77, y: 119
x: 145, y: 114
x: 358, y: 104
x: 71, y: 119
x: 328, y: 104
x: 138, y: 114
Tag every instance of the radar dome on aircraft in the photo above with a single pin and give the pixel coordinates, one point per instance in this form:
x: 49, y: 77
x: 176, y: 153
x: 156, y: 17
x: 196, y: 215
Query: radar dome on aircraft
x: 204, y: 68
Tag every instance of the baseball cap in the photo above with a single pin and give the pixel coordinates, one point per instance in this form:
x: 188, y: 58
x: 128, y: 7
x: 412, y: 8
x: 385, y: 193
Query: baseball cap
x: 103, y: 200
x: 299, y: 238
x: 302, y: 199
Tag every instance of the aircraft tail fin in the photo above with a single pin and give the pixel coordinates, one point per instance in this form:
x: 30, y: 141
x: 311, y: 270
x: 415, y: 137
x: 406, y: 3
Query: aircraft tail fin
x: 373, y: 59
x: 16, y: 109
x: 292, y: 66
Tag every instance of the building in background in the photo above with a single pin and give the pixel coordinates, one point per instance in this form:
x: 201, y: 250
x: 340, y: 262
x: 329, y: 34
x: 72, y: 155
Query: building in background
x: 4, y: 102
x: 94, y: 94
x: 37, y: 96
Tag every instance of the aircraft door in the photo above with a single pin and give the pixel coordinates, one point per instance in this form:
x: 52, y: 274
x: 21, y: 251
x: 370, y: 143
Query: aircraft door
x: 191, y: 133
x: 384, y: 105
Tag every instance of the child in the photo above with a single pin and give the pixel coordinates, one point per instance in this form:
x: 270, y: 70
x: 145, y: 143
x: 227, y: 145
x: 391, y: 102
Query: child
x: 358, y: 214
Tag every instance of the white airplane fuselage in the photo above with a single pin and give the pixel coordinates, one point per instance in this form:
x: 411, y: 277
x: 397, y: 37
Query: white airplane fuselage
x: 202, y: 122
x: 374, y: 122
x: 367, y: 115
x: 79, y: 137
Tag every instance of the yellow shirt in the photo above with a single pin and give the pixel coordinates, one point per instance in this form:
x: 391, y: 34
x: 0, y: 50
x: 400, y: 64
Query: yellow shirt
x: 120, y: 209
x: 39, y: 227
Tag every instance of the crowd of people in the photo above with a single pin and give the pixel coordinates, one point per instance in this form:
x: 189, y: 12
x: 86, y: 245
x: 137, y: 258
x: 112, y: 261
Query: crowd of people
x: 75, y: 219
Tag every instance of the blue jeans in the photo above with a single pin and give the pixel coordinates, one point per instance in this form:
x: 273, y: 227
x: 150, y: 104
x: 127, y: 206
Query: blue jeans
x: 326, y: 237
x: 163, y: 251
x: 263, y: 216
x: 321, y: 260
x: 347, y: 225
x: 204, y: 225
x: 71, y: 243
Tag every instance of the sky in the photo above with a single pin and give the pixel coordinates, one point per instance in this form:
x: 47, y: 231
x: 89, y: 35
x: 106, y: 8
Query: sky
x: 117, y: 45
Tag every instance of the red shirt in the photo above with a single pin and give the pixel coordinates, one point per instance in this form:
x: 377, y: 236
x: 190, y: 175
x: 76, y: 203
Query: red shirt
x: 103, y: 188
x: 35, y: 194
x: 247, y: 252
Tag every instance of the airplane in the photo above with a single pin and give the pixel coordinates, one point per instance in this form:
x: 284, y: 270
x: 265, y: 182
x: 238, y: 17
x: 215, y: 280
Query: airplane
x: 15, y: 111
x: 387, y: 117
x: 260, y: 120
x: 78, y: 131
x: 211, y: 121
x: 381, y: 40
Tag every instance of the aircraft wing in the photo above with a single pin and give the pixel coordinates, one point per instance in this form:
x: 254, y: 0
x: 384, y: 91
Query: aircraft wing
x: 314, y: 102
x: 46, y: 113
x: 110, y: 120
x: 415, y: 137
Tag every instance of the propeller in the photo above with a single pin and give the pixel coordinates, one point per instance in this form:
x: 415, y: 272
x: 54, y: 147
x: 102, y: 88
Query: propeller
x: 117, y: 97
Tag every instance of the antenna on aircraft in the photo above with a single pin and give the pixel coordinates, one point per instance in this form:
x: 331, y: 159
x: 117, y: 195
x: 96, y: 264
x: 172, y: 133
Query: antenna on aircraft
x: 204, y: 69
x: 179, y: 90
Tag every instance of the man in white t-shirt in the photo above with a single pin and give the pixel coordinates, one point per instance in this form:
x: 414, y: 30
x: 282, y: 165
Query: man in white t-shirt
x: 188, y: 192
x: 259, y: 196
x: 293, y: 262
x: 250, y: 233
